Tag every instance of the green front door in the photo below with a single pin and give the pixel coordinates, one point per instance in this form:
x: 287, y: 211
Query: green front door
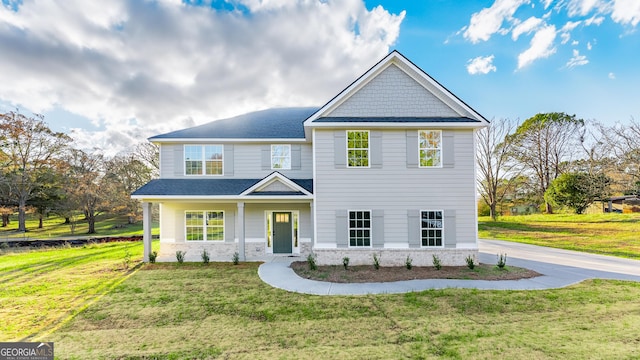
x: 282, y: 233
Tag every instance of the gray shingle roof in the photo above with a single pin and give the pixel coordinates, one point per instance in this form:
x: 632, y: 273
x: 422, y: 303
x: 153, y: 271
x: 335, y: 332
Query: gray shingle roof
x: 205, y: 187
x: 397, y: 119
x: 280, y: 123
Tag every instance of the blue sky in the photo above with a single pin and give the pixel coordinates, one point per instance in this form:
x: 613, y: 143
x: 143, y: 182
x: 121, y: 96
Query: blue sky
x: 113, y: 73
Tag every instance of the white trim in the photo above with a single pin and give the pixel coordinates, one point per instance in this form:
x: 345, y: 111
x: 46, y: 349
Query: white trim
x: 368, y: 149
x: 370, y: 230
x: 258, y: 198
x: 466, y: 246
x: 193, y: 141
x: 290, y: 157
x: 414, y: 125
x: 325, y: 246
x: 204, y: 226
x: 441, y: 150
x: 303, y: 240
x: 396, y: 245
x: 476, y: 192
x: 204, y: 160
x: 274, y: 176
x: 252, y: 240
x: 442, y: 229
x: 315, y: 189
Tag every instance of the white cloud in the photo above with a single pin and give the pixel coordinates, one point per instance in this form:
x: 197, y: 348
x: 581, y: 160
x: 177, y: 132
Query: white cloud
x: 577, y: 60
x: 488, y: 21
x: 589, y: 46
x: 612, y: 76
x: 547, y: 3
x: 626, y: 12
x: 162, y: 62
x: 575, y: 43
x: 526, y: 27
x: 594, y: 20
x: 584, y: 7
x: 565, y: 31
x: 481, y: 65
x: 541, y: 46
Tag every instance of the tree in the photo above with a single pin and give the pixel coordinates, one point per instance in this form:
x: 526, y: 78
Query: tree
x: 578, y: 190
x: 125, y: 174
x: 495, y: 167
x: 29, y: 150
x: 624, y: 142
x: 545, y: 145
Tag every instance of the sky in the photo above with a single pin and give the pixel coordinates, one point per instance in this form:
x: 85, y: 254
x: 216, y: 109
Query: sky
x: 113, y: 73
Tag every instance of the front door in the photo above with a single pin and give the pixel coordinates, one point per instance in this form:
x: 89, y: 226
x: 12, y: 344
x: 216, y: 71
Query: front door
x: 282, y: 233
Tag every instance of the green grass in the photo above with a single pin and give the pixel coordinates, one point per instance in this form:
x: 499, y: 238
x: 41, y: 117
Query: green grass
x: 40, y: 288
x: 55, y: 228
x: 607, y: 234
x: 167, y: 311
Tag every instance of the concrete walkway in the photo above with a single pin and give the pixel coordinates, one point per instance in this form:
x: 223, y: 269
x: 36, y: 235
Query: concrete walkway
x: 559, y: 268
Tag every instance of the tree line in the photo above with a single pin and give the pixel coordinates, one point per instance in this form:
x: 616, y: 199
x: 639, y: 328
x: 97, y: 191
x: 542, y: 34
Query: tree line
x: 556, y: 160
x: 42, y: 172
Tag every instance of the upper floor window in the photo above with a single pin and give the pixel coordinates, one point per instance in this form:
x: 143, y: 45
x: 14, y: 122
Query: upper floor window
x: 430, y: 148
x: 357, y: 148
x: 203, y: 159
x: 281, y: 157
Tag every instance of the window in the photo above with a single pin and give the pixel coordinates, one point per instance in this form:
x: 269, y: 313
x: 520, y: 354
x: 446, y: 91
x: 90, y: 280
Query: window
x: 358, y: 148
x: 281, y: 157
x: 431, y: 228
x: 430, y: 148
x: 203, y: 159
x: 359, y: 228
x: 204, y: 225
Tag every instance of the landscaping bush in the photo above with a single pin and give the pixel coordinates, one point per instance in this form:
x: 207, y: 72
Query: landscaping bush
x: 436, y: 262
x: 180, y: 256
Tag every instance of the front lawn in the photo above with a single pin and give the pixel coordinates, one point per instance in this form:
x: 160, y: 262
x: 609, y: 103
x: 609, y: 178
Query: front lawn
x: 607, y: 234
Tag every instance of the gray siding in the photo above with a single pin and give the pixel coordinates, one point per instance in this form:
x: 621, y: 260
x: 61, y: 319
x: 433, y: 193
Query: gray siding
x: 242, y: 161
x: 397, y: 188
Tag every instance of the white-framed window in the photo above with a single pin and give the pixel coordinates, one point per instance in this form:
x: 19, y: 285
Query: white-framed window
x: 431, y: 228
x: 281, y: 157
x: 357, y: 148
x: 203, y: 159
x: 360, y: 228
x: 430, y: 148
x: 205, y: 225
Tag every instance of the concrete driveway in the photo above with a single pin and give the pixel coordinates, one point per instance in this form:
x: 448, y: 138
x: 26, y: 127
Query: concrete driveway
x: 559, y: 268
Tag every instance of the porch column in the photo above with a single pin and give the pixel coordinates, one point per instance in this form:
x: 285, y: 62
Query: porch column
x: 146, y: 230
x: 312, y: 225
x: 241, y: 231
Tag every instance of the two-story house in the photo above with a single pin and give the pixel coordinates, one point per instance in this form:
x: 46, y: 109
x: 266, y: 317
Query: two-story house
x: 387, y: 167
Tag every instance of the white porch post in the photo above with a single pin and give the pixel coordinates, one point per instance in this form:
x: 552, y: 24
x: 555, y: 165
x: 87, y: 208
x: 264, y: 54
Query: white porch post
x: 312, y: 224
x: 146, y: 232
x: 241, y: 231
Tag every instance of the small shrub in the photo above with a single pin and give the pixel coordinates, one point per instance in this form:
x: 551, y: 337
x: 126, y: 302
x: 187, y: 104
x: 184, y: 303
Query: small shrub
x: 236, y: 258
x: 502, y: 260
x: 311, y: 260
x: 408, y: 263
x: 180, y: 256
x: 470, y: 263
x: 205, y: 256
x: 127, y: 259
x: 345, y: 262
x: 153, y: 256
x: 376, y: 261
x: 436, y: 262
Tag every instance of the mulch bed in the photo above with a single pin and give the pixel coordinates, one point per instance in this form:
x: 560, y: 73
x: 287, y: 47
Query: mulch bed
x: 367, y: 273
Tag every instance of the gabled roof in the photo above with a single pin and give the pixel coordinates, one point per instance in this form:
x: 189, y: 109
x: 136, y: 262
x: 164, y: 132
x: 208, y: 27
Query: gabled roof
x: 323, y: 116
x: 203, y: 188
x: 291, y: 186
x: 331, y: 119
x: 279, y: 123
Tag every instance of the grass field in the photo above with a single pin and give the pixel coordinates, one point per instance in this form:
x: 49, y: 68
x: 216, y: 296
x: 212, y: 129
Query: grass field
x: 91, y: 307
x: 607, y: 234
x: 55, y: 228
